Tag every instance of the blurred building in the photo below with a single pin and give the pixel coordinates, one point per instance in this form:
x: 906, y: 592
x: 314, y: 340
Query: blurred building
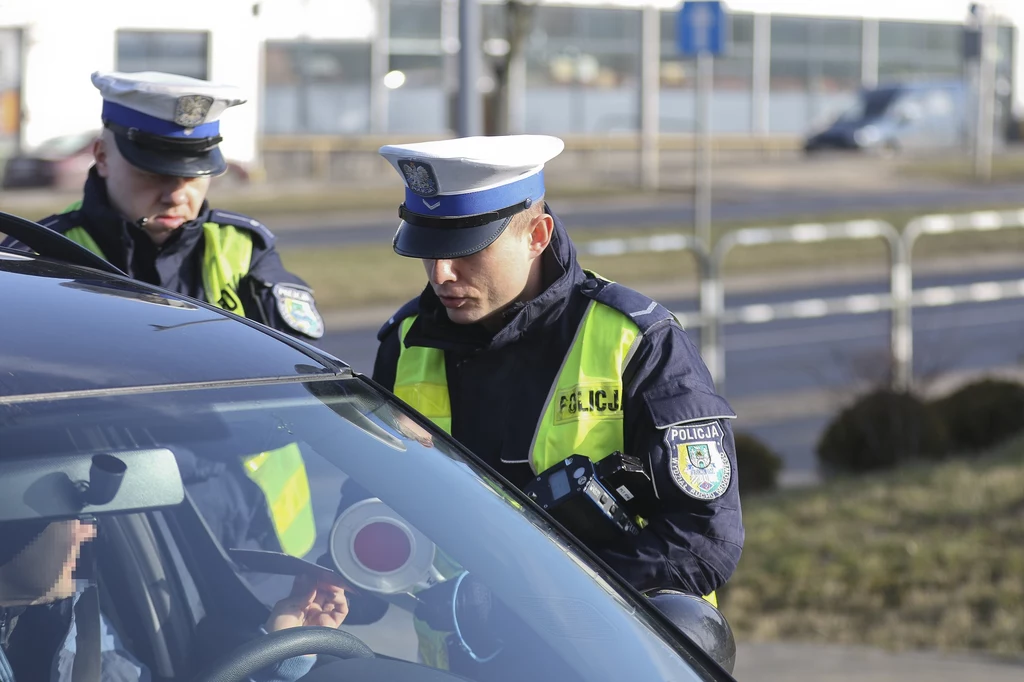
x: 351, y: 67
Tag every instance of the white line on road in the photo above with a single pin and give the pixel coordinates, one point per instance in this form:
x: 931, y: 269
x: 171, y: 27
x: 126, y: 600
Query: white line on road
x: 938, y: 296
x: 815, y: 307
x: 824, y: 332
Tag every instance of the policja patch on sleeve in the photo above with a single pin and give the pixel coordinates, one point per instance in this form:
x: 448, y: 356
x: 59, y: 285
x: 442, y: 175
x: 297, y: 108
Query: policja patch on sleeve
x: 697, y: 459
x: 298, y: 309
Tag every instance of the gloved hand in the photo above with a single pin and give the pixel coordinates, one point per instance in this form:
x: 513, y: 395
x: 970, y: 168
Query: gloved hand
x: 464, y: 606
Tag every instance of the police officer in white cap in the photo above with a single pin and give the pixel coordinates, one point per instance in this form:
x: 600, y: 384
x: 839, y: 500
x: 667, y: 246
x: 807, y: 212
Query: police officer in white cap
x: 527, y: 359
x: 145, y: 210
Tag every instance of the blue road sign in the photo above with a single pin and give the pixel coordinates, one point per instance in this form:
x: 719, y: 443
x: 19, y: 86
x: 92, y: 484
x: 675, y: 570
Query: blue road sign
x: 702, y: 27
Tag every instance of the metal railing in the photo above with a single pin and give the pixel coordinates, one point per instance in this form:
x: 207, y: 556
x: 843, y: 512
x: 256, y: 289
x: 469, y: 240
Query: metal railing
x: 899, y: 301
x: 977, y: 221
x: 713, y: 290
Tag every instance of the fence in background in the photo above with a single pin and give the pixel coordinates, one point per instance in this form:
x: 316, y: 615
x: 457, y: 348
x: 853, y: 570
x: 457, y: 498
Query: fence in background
x: 900, y: 300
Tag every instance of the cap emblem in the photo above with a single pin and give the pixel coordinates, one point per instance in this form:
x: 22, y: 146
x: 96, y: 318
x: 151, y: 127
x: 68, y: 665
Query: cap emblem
x: 191, y: 110
x: 420, y: 177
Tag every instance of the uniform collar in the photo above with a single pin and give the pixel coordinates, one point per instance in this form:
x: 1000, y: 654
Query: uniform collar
x: 562, y: 275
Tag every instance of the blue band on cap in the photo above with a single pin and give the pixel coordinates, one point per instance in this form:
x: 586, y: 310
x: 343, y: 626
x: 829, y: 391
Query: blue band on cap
x: 474, y: 203
x: 130, y: 118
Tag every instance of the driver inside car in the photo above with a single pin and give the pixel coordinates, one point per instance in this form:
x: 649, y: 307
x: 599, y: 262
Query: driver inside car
x: 40, y: 602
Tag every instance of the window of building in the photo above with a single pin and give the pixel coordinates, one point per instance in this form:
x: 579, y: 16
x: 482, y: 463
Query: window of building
x: 733, y: 74
x: 733, y: 70
x: 908, y: 49
x: 583, y: 70
x: 584, y: 47
x: 415, y: 19
x: 815, y: 55
x: 417, y: 103
x: 186, y: 53
x: 315, y: 87
x: 815, y: 70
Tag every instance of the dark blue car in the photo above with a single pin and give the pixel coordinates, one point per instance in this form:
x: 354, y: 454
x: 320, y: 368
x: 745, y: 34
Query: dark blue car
x: 898, y: 117
x: 124, y: 410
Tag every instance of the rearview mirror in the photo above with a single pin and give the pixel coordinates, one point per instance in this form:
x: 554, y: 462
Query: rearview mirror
x: 43, y: 488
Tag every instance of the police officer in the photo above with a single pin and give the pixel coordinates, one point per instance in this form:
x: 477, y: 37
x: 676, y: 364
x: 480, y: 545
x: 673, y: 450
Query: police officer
x: 525, y: 358
x: 145, y: 210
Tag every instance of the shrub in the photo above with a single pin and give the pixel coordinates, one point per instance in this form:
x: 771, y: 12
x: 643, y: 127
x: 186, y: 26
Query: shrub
x: 982, y: 414
x: 758, y: 465
x: 880, y: 430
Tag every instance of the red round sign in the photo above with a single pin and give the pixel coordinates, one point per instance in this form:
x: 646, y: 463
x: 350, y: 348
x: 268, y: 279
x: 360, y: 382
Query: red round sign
x: 382, y: 547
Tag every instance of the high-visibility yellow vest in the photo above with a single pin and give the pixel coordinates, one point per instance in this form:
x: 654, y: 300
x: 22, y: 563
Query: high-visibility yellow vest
x: 584, y: 413
x: 280, y: 473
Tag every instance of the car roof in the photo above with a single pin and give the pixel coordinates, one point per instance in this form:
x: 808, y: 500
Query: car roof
x: 69, y: 328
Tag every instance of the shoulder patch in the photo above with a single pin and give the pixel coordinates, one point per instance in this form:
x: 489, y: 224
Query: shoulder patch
x: 408, y: 310
x: 245, y: 222
x: 698, y: 462
x: 642, y: 310
x: 297, y: 307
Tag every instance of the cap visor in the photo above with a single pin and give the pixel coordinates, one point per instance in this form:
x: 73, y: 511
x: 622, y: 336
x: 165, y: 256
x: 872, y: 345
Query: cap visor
x: 209, y: 163
x: 436, y: 243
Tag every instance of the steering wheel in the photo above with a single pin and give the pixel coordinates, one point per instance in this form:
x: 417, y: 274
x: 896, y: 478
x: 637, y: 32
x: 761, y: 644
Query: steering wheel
x: 266, y: 650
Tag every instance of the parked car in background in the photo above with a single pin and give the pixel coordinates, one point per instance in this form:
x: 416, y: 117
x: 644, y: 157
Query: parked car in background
x: 898, y: 117
x: 63, y: 162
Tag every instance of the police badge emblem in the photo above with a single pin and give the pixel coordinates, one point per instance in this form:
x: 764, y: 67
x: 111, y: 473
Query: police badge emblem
x: 699, y: 455
x: 298, y: 310
x: 191, y: 110
x: 697, y: 459
x: 420, y: 177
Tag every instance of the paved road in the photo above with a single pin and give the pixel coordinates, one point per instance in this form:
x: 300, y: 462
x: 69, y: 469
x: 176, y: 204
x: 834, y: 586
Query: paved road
x: 787, y: 378
x: 749, y: 205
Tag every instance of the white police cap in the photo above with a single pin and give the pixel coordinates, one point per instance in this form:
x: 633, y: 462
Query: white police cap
x: 461, y: 194
x: 166, y: 123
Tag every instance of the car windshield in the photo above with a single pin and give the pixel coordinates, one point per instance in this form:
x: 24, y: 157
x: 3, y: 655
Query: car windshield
x: 870, y: 105
x: 360, y: 487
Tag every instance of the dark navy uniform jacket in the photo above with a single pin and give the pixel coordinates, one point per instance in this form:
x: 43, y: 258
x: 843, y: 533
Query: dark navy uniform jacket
x: 499, y: 383
x: 177, y: 264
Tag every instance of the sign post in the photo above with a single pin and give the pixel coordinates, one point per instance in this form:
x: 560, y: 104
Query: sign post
x: 703, y: 33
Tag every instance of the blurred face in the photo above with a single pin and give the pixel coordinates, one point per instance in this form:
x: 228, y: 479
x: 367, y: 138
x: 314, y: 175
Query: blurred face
x: 42, y: 572
x: 167, y: 202
x: 479, y: 287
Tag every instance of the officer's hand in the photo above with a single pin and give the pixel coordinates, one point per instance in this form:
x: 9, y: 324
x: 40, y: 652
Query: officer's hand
x: 311, y: 602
